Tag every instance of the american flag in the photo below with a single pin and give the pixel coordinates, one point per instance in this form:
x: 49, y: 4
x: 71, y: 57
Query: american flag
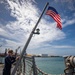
x: 54, y: 14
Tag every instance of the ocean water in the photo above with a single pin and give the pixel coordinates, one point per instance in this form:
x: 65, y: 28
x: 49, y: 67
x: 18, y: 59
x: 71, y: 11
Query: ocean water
x: 51, y: 65
x: 1, y: 60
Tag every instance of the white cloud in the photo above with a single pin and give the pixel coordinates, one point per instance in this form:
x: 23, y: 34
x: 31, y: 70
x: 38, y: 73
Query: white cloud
x: 65, y: 46
x: 27, y: 14
x: 68, y: 22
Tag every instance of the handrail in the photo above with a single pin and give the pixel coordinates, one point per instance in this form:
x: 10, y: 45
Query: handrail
x: 26, y: 68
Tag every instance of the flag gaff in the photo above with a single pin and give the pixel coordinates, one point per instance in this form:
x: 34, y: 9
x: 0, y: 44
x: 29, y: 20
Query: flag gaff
x: 54, y: 14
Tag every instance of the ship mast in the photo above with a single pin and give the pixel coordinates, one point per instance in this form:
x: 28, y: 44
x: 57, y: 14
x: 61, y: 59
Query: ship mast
x: 28, y: 41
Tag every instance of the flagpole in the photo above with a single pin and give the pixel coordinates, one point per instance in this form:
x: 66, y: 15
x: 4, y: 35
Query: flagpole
x: 27, y: 43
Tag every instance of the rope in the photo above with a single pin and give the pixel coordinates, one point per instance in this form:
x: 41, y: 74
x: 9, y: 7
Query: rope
x: 40, y: 71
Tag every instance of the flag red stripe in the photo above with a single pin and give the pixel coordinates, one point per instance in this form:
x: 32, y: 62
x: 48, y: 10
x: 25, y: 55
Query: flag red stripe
x: 56, y: 17
x: 54, y: 14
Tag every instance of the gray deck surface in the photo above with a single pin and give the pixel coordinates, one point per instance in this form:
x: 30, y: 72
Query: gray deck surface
x: 1, y: 69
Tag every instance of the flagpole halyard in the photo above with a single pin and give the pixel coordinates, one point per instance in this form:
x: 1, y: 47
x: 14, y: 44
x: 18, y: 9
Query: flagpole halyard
x: 28, y: 41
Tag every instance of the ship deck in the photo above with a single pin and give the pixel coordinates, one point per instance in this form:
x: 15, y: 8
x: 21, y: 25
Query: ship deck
x: 1, y: 68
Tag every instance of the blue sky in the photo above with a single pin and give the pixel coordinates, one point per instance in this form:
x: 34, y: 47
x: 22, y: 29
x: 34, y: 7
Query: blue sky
x: 17, y: 19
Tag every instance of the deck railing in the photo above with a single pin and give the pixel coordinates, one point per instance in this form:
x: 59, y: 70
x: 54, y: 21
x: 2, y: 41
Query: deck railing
x: 27, y: 66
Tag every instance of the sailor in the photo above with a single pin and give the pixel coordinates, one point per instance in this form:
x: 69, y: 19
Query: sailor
x: 9, y: 60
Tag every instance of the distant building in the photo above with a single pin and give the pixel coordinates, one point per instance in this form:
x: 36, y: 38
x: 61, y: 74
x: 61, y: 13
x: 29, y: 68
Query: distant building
x: 44, y: 55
